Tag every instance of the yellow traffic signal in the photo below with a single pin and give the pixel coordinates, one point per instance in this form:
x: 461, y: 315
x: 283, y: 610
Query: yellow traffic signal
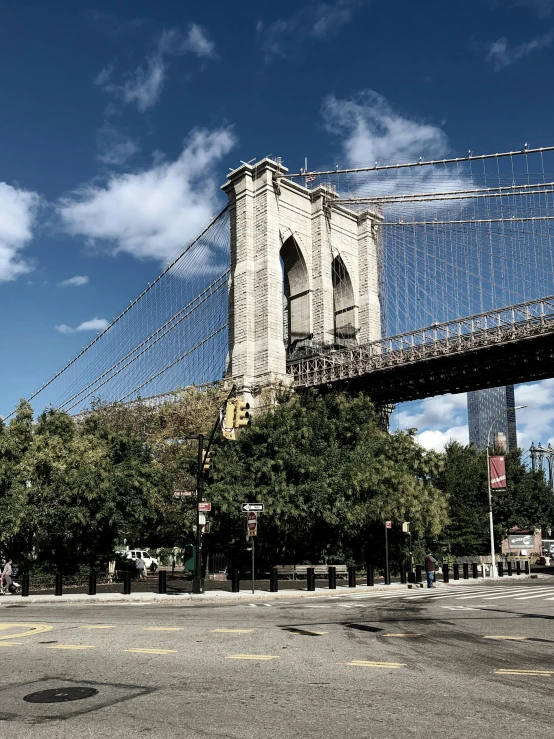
x: 242, y: 417
x: 228, y: 421
x: 206, y: 460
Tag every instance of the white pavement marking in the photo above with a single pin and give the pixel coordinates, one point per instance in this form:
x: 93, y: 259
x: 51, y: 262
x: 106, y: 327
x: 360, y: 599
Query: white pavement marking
x: 550, y: 591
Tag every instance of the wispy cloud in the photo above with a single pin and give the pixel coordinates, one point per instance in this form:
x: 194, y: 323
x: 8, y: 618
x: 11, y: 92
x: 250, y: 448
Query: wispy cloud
x: 500, y: 54
x: 18, y: 210
x: 152, y: 213
x: 316, y: 20
x: 77, y: 281
x: 114, y: 147
x: 144, y: 85
x: 95, y: 324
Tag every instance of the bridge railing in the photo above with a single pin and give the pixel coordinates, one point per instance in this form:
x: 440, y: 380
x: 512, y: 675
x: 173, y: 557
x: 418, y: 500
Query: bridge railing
x: 460, y: 335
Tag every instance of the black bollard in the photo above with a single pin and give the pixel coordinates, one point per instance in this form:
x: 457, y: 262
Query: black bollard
x: 126, y: 583
x: 25, y: 586
x: 500, y: 566
x: 352, y: 576
x: 411, y: 576
x: 419, y: 573
x: 274, y: 581
x: 310, y: 579
x: 370, y: 576
x: 509, y: 568
x: 162, y: 582
x: 59, y: 583
x: 456, y: 569
x: 403, y: 577
x: 445, y: 577
x: 92, y: 582
x: 474, y: 570
x: 235, y: 581
x: 386, y: 576
x: 465, y: 567
x: 526, y: 564
x: 518, y: 567
x: 332, y: 578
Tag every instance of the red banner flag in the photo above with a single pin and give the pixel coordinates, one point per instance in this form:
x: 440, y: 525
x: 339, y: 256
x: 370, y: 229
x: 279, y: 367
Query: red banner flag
x: 497, y: 473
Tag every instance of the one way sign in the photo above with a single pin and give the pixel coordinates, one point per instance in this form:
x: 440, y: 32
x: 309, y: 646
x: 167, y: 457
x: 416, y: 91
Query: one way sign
x: 259, y: 507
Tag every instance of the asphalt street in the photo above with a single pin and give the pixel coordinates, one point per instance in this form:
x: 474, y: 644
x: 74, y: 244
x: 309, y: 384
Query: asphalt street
x: 461, y: 660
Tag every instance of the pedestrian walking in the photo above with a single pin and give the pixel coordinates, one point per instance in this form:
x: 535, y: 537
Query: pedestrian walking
x: 431, y: 565
x: 7, y: 576
x: 140, y: 564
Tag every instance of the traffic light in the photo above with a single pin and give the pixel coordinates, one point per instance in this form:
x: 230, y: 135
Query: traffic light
x: 242, y: 417
x: 406, y: 527
x: 228, y: 421
x: 206, y: 460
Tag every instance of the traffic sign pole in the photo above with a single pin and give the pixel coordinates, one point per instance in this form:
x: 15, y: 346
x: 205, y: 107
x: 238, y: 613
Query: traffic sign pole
x: 387, y: 571
x: 253, y: 539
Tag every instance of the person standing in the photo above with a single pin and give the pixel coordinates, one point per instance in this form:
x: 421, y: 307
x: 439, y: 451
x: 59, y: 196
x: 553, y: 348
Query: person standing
x: 431, y: 565
x: 140, y: 564
x: 7, y: 575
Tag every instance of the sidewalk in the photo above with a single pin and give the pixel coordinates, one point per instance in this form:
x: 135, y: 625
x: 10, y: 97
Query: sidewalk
x: 146, y: 598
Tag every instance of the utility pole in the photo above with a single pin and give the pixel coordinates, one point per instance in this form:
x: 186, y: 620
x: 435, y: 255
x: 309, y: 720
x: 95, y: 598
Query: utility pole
x: 197, y: 583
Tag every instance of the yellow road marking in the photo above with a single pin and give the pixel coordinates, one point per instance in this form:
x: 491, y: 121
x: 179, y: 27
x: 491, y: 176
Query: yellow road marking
x: 305, y: 632
x: 97, y: 626
x: 507, y: 638
x: 152, y: 651
x: 11, y: 644
x: 524, y: 672
x: 232, y: 631
x: 400, y: 635
x: 252, y: 656
x: 31, y: 629
x: 366, y: 663
x: 163, y: 628
x: 71, y: 646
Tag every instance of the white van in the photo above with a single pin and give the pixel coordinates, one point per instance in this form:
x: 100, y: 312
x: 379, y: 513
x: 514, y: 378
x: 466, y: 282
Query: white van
x: 150, y: 562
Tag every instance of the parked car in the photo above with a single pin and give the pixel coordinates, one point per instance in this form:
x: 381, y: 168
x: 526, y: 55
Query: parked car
x: 150, y: 562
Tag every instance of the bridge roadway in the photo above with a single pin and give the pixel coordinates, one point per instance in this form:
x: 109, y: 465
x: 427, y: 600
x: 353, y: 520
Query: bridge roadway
x: 505, y: 346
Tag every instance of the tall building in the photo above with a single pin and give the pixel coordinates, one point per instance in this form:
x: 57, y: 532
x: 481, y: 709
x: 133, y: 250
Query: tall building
x: 482, y: 407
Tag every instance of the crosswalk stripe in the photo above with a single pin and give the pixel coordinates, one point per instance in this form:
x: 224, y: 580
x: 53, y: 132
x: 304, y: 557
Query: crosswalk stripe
x: 528, y: 597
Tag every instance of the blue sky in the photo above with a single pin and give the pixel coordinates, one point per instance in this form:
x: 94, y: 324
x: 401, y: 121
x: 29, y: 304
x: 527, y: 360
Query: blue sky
x: 120, y: 120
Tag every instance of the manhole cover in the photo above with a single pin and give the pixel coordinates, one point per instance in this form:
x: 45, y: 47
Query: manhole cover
x: 60, y: 695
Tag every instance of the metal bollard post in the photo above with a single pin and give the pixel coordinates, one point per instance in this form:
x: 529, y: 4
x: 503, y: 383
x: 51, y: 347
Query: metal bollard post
x: 518, y: 567
x: 352, y: 576
x: 465, y: 567
x: 386, y: 576
x: 418, y: 572
x: 403, y: 577
x: 59, y: 583
x: 25, y: 586
x: 126, y: 583
x: 274, y: 581
x: 235, y: 581
x: 370, y: 576
x: 456, y: 571
x: 310, y: 579
x: 445, y: 577
x: 526, y: 565
x: 509, y: 568
x: 332, y: 578
x: 92, y: 583
x: 474, y: 570
x: 162, y: 582
x: 500, y: 567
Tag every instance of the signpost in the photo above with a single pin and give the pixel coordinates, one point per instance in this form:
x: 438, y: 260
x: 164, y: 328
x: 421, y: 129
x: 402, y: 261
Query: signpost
x: 259, y: 507
x: 182, y: 493
x: 252, y: 528
x: 388, y: 525
x: 204, y: 506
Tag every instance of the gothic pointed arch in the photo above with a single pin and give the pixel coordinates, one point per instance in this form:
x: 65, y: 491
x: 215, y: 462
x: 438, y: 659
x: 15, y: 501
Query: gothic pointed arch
x: 344, y: 307
x: 296, y: 295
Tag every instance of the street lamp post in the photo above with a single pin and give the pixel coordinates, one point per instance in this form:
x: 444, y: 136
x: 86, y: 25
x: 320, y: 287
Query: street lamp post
x: 494, y: 420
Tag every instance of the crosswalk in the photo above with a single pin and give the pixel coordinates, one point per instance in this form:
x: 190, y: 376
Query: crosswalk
x: 516, y: 593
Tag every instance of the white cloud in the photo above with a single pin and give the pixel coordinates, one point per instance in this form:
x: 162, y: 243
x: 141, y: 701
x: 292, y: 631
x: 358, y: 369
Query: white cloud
x: 144, y: 85
x: 77, y: 281
x: 438, y: 412
x: 17, y: 217
x: 501, y: 54
x: 152, y: 213
x: 316, y: 20
x: 95, y: 324
x: 437, y: 440
x: 536, y: 422
x: 114, y: 147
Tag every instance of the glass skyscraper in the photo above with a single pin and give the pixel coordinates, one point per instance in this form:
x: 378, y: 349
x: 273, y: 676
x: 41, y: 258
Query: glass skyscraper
x: 482, y: 407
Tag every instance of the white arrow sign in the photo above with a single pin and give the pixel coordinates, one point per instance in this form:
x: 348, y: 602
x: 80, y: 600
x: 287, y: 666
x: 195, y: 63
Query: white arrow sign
x: 253, y: 507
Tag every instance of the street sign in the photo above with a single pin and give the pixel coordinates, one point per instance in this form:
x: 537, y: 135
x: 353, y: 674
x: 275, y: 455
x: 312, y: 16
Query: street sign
x: 205, y: 506
x: 202, y: 519
x: 388, y: 524
x: 259, y: 507
x: 252, y: 524
x: 182, y: 493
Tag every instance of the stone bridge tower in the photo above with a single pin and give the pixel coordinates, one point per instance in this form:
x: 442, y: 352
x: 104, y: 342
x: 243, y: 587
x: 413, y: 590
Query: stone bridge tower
x: 304, y: 274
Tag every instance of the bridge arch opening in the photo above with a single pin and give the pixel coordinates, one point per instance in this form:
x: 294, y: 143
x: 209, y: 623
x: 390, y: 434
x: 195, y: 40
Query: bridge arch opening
x: 344, y: 308
x: 296, y: 296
